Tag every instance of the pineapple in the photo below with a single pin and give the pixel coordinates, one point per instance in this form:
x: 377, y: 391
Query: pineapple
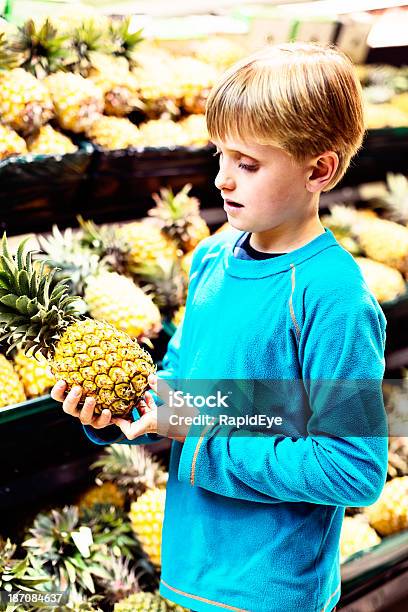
x: 147, y: 602
x: 78, y: 102
x: 18, y: 574
x: 106, y: 493
x: 135, y: 313
x: 389, y: 514
x: 178, y: 316
x: 119, y: 578
x: 50, y: 142
x: 384, y: 241
x: 218, y: 52
x: 107, y: 363
x: 113, y: 133
x: 125, y: 40
x: 162, y: 133
x: 147, y: 244
x: 195, y: 129
x: 396, y: 200
x: 121, y: 91
x: 42, y: 49
x: 146, y: 516
x: 25, y: 104
x: 131, y: 468
x: 179, y: 217
x: 11, y: 143
x: 186, y: 261
x: 397, y: 457
x: 356, y: 535
x: 34, y: 373
x: 195, y: 79
x: 11, y: 388
x: 400, y: 101
x: 385, y: 283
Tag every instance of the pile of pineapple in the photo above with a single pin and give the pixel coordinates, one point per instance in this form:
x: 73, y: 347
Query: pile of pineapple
x: 385, y: 91
x: 104, y: 550
x: 98, y: 80
x: 132, y: 277
x: 378, y: 243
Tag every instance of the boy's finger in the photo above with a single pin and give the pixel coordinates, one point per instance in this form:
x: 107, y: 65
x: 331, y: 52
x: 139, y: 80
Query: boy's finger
x: 70, y: 404
x: 152, y: 380
x: 149, y: 401
x: 132, y: 430
x: 87, y: 413
x: 58, y: 391
x: 102, y: 420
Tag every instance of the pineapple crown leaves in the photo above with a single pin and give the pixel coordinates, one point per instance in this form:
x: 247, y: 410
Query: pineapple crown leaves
x: 170, y: 206
x: 130, y: 467
x: 397, y: 198
x: 111, y: 530
x: 105, y: 242
x: 119, y: 578
x: 88, y: 43
x: 66, y: 548
x: 18, y: 573
x: 43, y: 49
x: 124, y: 39
x: 33, y: 311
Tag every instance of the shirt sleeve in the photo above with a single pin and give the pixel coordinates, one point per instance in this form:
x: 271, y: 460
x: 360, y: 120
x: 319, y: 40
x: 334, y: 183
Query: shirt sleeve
x: 169, y: 371
x: 334, y: 464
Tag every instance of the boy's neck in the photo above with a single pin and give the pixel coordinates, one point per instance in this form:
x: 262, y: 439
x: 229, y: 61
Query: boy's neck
x: 284, y: 239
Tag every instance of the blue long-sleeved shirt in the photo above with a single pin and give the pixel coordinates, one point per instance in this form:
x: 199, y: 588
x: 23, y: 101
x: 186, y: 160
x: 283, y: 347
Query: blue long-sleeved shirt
x: 253, y: 518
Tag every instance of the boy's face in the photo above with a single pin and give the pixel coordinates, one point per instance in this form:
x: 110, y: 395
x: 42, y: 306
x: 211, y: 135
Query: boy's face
x: 263, y: 188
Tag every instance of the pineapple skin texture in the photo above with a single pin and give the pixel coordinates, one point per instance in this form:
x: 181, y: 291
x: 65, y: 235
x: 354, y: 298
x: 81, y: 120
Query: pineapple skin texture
x: 146, y: 602
x: 34, y: 374
x: 356, y: 535
x: 389, y: 514
x: 385, y: 282
x: 384, y: 241
x: 11, y: 387
x: 77, y: 101
x: 25, y: 103
x: 105, y: 362
x: 11, y: 143
x: 133, y: 312
x: 147, y: 244
x: 107, y: 493
x: 50, y: 142
x: 146, y: 517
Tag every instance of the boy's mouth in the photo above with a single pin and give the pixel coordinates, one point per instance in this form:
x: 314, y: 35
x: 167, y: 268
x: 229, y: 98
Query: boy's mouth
x: 234, y: 204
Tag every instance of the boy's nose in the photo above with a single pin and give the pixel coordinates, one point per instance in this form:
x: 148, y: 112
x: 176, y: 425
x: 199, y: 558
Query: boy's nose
x: 224, y: 182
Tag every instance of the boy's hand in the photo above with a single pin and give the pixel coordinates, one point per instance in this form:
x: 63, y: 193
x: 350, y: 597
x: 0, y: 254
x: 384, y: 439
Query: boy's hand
x: 86, y: 413
x: 149, y: 421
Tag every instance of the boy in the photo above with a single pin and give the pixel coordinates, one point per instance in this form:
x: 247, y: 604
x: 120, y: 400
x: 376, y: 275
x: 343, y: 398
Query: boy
x: 253, y: 517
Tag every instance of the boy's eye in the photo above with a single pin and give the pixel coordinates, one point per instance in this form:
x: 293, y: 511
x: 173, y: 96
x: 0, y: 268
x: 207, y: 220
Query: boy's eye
x: 247, y: 167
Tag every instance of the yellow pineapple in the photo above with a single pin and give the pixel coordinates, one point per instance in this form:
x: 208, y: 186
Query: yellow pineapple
x: 179, y: 217
x: 383, y: 241
x: 116, y: 299
x: 120, y: 89
x: 77, y: 101
x: 106, y: 493
x: 389, y: 514
x: 11, y: 387
x: 146, y: 517
x: 178, y: 316
x: 114, y: 133
x: 108, y: 364
x: 11, y: 143
x: 195, y: 79
x: 50, y: 142
x: 400, y: 101
x: 147, y: 244
x: 25, y: 103
x: 34, y: 373
x: 386, y: 283
x: 162, y: 133
x: 195, y: 129
x: 218, y: 52
x: 186, y: 261
x: 356, y: 535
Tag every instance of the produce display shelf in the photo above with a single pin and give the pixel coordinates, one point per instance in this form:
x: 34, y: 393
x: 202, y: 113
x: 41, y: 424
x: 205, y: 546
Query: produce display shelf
x: 30, y: 407
x: 364, y: 565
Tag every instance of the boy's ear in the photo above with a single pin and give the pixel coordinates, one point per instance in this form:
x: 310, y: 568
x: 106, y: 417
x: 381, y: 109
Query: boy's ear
x: 321, y: 171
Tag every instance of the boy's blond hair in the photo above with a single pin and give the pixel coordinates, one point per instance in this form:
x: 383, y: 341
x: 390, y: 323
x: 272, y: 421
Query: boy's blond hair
x: 302, y: 97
